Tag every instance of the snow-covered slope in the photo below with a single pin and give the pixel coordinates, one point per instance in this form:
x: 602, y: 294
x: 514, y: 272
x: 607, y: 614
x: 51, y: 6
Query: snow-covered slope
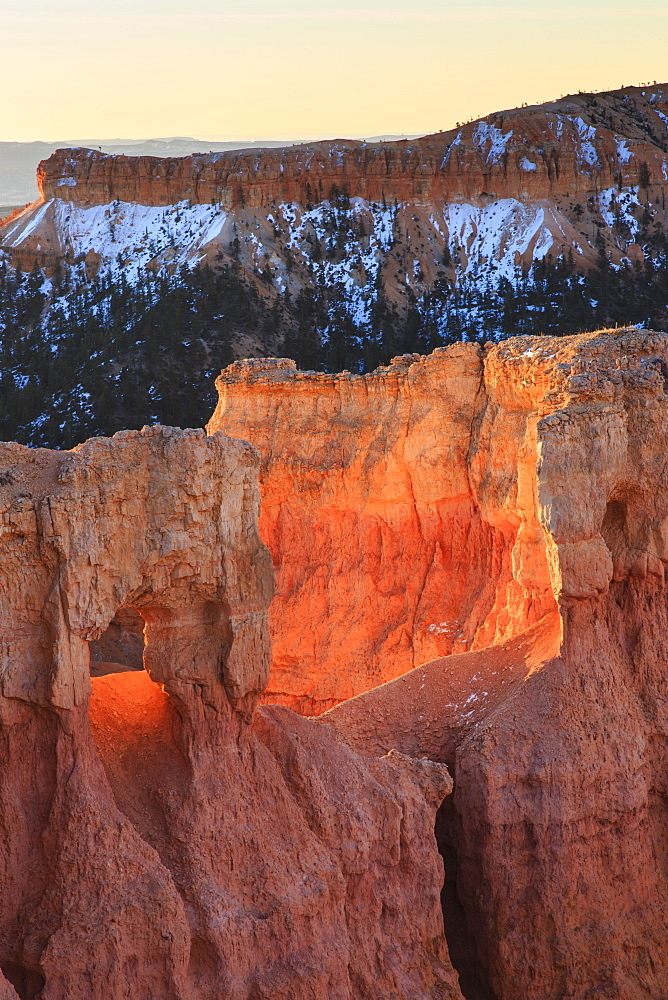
x: 581, y: 177
x: 120, y: 235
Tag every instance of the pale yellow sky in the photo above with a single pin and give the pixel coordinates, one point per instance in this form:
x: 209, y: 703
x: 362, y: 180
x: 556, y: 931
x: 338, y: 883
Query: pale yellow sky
x: 263, y: 70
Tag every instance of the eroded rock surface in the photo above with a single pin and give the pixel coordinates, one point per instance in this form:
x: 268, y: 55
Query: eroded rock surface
x: 575, y: 176
x: 558, y: 737
x: 121, y: 645
x: 403, y: 510
x: 7, y: 991
x: 538, y: 152
x: 400, y: 512
x: 202, y: 848
x: 160, y: 838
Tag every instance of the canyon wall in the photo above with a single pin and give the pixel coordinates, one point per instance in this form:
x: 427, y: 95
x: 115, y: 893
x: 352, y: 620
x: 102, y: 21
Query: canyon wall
x: 161, y: 837
x: 401, y: 508
x: 568, y: 178
x: 200, y: 846
x: 552, y: 716
x: 569, y: 147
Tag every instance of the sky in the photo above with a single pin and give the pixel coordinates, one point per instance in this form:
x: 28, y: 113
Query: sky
x: 267, y: 69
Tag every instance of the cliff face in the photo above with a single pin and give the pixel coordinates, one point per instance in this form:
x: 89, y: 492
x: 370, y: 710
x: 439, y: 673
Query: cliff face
x: 575, y: 176
x: 338, y: 255
x: 552, y: 716
x: 160, y: 838
x: 391, y: 507
x: 435, y: 457
x: 566, y: 148
x: 200, y: 847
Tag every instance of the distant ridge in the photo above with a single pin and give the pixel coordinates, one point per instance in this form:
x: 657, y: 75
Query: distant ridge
x: 19, y: 160
x: 340, y: 254
x: 576, y: 177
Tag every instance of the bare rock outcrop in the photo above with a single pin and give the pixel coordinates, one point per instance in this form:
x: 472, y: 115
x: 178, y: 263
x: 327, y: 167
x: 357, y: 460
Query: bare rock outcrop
x: 160, y: 837
x: 399, y: 509
x: 7, y: 991
x: 199, y: 847
x: 553, y: 715
x: 563, y: 148
x: 578, y: 176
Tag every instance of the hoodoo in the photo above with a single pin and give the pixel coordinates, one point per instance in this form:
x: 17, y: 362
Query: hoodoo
x: 470, y: 553
x: 385, y: 511
x: 160, y: 837
x: 508, y: 505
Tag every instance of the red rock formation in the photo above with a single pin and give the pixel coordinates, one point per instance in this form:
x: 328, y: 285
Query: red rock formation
x: 565, y: 148
x: 429, y: 711
x: 161, y: 839
x: 177, y: 834
x: 7, y: 991
x: 433, y: 456
x: 388, y: 507
x: 557, y: 735
x: 505, y: 190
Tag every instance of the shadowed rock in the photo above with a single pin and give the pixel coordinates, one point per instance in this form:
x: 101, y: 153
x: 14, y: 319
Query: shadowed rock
x: 160, y: 839
x: 516, y: 498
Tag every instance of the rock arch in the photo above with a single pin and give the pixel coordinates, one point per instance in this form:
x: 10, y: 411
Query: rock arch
x: 121, y: 645
x: 202, y: 850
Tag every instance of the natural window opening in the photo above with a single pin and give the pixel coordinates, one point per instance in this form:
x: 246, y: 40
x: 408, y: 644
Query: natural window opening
x: 615, y: 527
x: 28, y: 983
x: 121, y: 647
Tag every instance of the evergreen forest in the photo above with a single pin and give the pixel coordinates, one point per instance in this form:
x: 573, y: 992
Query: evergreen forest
x: 83, y: 356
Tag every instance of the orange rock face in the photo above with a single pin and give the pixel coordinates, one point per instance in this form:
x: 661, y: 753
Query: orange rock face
x: 202, y: 848
x: 554, y: 718
x: 564, y: 148
x: 160, y: 838
x: 399, y: 511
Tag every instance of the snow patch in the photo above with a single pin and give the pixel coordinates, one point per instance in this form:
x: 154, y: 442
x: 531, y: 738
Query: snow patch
x: 26, y: 224
x: 128, y: 236
x: 615, y: 205
x: 455, y: 142
x: 558, y: 125
x: 487, y: 240
x: 336, y: 228
x: 623, y: 152
x: 490, y: 141
x: 586, y: 133
x: 449, y: 628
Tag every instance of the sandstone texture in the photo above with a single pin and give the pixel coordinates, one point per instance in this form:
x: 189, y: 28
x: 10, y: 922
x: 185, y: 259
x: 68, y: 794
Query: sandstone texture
x: 470, y: 553
x: 527, y: 479
x: 160, y: 837
x: 7, y: 991
x: 399, y: 508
